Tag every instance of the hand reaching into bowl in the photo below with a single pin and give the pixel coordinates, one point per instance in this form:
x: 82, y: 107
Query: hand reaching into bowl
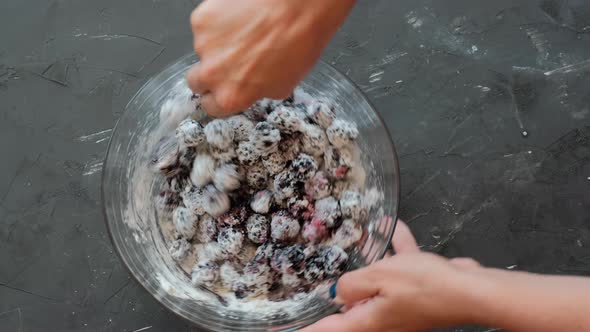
x: 258, y: 48
x: 417, y: 291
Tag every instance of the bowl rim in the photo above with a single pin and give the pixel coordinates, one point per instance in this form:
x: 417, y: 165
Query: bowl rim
x: 192, y: 56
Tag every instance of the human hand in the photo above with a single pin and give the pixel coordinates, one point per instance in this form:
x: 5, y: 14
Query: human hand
x: 411, y: 291
x: 258, y: 48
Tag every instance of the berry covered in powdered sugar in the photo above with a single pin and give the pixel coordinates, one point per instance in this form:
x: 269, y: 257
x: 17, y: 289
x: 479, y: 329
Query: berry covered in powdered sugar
x: 318, y: 187
x: 261, y: 201
x: 283, y: 227
x: 223, y: 155
x: 274, y: 163
x: 241, y: 126
x: 167, y: 201
x: 265, y: 138
x: 303, y: 167
x: 336, y: 164
x: 190, y: 133
x: 205, y: 273
x: 215, y: 202
x: 267, y: 250
x: 219, y: 134
x: 231, y: 240
x: 257, y: 176
x: 290, y: 146
x: 315, y: 231
x: 286, y: 119
x: 227, y: 178
x: 335, y: 259
x: 165, y: 156
x: 210, y: 251
x: 247, y: 153
x: 327, y: 210
x: 351, y: 205
x: 179, y: 249
x: 203, y: 170
x: 235, y: 216
x: 321, y: 113
x: 314, y: 140
x: 342, y: 133
x: 256, y: 280
x: 257, y: 112
x: 206, y: 230
x: 285, y: 185
x: 194, y: 200
x: 300, y: 207
x: 185, y: 222
x: 289, y: 259
x: 348, y: 234
x: 257, y: 228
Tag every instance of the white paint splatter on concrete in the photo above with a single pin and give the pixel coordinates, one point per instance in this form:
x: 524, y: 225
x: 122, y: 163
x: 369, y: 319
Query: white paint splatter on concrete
x: 413, y: 20
x: 376, y: 76
x: 92, y: 167
x: 579, y: 66
x: 97, y: 137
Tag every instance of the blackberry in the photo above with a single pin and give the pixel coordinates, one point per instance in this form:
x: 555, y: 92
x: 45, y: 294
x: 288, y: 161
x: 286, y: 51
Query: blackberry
x: 257, y: 228
x: 235, y: 216
x: 257, y: 176
x: 261, y: 201
x: 303, y: 167
x: 193, y: 199
x: 241, y: 126
x: 314, y: 141
x: 318, y: 187
x: 184, y: 221
x: 321, y: 113
x: 342, y: 133
x: 327, y: 210
x: 215, y: 202
x: 265, y: 138
x: 351, y: 205
x: 190, y: 133
x: 205, y: 273
x: 230, y: 240
x: 203, y: 170
x: 286, y: 119
x: 179, y: 249
x: 227, y: 178
x: 219, y: 133
x: 247, y: 153
x: 274, y: 162
x: 206, y: 230
x: 283, y: 227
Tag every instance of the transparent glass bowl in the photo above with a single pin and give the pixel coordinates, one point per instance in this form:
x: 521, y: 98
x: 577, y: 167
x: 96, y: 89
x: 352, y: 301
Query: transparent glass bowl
x: 128, y: 188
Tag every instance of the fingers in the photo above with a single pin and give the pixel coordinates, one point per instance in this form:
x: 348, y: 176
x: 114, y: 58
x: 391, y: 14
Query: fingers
x: 403, y: 241
x: 196, y: 81
x: 336, y: 323
x: 464, y: 262
x: 362, y: 317
x: 356, y: 286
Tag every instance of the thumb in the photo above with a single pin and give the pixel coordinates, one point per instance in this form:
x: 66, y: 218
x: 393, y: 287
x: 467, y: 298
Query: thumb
x: 358, y: 285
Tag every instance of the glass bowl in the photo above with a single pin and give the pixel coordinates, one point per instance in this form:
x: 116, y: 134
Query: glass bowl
x: 128, y: 188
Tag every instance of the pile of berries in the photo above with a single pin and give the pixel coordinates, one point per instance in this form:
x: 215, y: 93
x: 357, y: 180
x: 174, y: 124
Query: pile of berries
x: 260, y: 201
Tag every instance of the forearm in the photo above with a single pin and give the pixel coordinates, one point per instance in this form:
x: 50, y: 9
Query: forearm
x: 521, y: 301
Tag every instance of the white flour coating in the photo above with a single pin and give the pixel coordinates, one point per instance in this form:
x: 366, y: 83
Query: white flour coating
x: 140, y: 217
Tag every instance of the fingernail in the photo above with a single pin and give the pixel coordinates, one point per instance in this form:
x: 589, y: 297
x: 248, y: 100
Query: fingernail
x: 333, y: 291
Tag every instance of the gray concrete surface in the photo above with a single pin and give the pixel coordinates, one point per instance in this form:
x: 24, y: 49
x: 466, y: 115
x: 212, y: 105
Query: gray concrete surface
x: 458, y: 83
